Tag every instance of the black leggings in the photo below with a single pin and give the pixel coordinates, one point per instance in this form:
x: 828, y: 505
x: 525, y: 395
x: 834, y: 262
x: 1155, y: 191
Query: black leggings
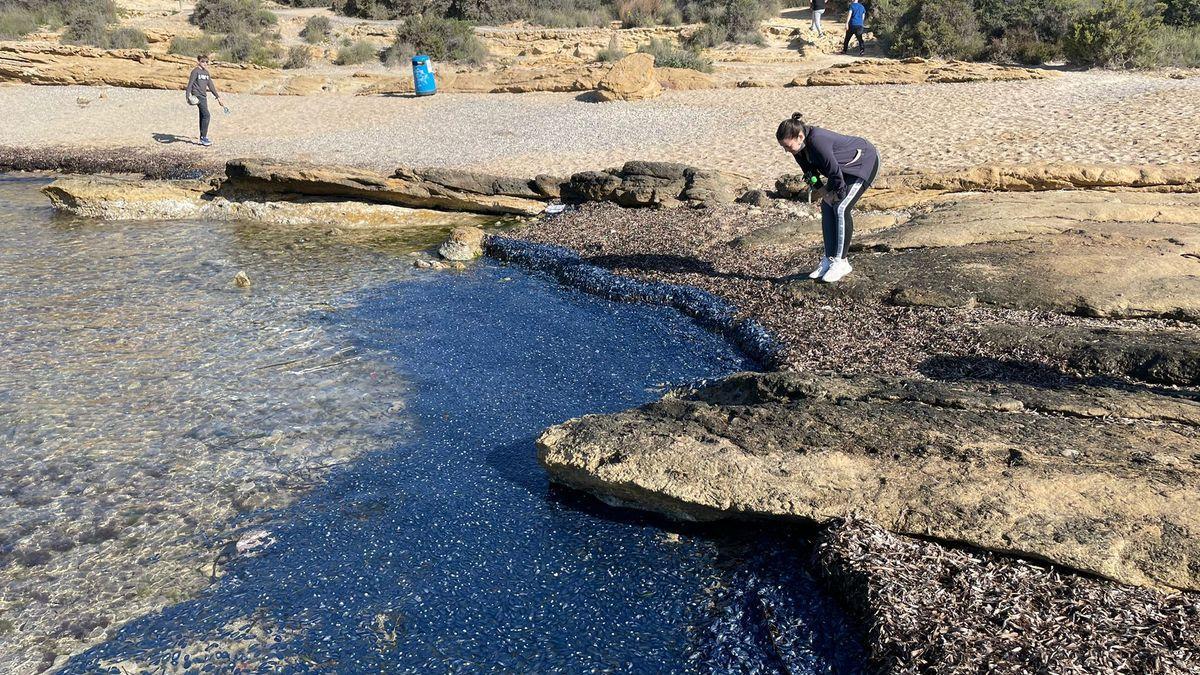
x: 855, y: 31
x: 837, y: 220
x: 204, y: 116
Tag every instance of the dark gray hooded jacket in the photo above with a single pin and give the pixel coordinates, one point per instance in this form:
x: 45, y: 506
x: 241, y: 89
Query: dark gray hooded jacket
x: 836, y: 156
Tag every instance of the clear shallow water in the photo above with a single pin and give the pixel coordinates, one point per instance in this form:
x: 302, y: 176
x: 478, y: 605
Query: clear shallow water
x: 438, y: 545
x: 145, y: 401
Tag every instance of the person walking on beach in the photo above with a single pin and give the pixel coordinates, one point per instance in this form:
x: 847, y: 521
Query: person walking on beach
x: 854, y: 27
x: 849, y: 164
x: 200, y: 82
x: 818, y: 8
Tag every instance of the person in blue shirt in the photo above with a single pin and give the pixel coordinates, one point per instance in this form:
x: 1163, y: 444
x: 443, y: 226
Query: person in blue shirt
x: 854, y: 27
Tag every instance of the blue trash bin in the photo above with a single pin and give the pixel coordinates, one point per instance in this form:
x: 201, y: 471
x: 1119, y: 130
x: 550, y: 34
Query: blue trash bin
x: 423, y: 80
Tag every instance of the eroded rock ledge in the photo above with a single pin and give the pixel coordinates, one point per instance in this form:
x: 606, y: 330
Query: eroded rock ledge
x: 281, y: 192
x: 1015, y: 469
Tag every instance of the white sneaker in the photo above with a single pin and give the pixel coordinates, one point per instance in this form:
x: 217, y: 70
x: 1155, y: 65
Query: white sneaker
x: 821, y: 270
x: 838, y: 268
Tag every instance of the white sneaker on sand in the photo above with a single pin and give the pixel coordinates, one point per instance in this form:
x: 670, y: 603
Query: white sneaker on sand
x: 838, y: 268
x: 821, y: 270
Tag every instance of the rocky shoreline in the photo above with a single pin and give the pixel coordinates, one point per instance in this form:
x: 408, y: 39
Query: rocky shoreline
x: 944, y: 383
x: 996, y: 373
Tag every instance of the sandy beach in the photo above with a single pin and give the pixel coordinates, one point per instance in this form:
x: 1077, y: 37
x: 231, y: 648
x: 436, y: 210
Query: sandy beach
x: 1097, y: 116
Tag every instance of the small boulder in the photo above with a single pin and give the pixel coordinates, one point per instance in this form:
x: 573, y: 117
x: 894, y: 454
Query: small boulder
x: 630, y: 79
x: 758, y: 198
x: 791, y: 186
x: 590, y: 186
x: 465, y: 243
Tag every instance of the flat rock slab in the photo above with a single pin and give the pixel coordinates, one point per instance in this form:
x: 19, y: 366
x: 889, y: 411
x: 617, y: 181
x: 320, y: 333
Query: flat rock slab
x: 403, y: 188
x: 1103, y: 254
x: 109, y: 198
x: 1168, y: 356
x: 1009, y: 469
x: 914, y: 71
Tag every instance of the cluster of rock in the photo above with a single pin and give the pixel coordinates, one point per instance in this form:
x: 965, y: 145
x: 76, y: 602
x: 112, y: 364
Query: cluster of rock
x: 657, y: 184
x: 294, y: 193
x: 914, y: 70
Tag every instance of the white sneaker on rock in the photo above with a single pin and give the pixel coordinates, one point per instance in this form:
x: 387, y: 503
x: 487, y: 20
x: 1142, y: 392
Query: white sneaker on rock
x: 821, y: 270
x: 838, y: 268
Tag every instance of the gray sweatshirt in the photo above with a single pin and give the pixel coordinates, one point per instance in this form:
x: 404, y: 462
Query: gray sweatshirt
x: 200, y: 83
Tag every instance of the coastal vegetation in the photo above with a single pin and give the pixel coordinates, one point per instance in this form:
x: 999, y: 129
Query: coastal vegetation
x: 440, y: 38
x: 726, y: 20
x: 238, y: 31
x: 666, y: 55
x: 316, y: 29
x: 356, y: 52
x: 1108, y: 33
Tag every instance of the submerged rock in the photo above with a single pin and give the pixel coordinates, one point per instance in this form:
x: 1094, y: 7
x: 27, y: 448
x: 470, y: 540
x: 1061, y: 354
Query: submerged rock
x: 465, y: 243
x: 1033, y: 472
x: 123, y: 199
x: 129, y: 199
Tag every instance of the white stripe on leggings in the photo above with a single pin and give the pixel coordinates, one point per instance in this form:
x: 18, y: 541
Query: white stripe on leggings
x: 841, y: 213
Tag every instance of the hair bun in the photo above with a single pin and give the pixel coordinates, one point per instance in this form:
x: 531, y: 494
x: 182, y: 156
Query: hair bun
x: 797, y: 117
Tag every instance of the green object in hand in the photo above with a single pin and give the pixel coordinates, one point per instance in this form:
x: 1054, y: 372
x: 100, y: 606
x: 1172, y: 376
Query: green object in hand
x: 813, y: 180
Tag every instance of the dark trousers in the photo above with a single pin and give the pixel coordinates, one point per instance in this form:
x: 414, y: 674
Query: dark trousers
x: 204, y: 116
x: 837, y: 220
x: 855, y: 31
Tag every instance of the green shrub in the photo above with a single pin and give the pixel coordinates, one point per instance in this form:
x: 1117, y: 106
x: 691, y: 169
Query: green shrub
x: 1176, y: 47
x: 937, y: 28
x: 441, y: 39
x: 728, y: 21
x: 56, y: 13
x: 125, y: 38
x: 86, y: 27
x: 667, y: 55
x: 356, y: 53
x: 1182, y: 12
x: 232, y: 16
x: 1023, y: 45
x: 574, y: 17
x: 242, y: 47
x: 298, y: 56
x: 640, y: 13
x: 306, y: 3
x: 612, y: 52
x: 1117, y: 34
x: 188, y: 46
x: 16, y: 23
x: 316, y: 29
x: 1027, y: 31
